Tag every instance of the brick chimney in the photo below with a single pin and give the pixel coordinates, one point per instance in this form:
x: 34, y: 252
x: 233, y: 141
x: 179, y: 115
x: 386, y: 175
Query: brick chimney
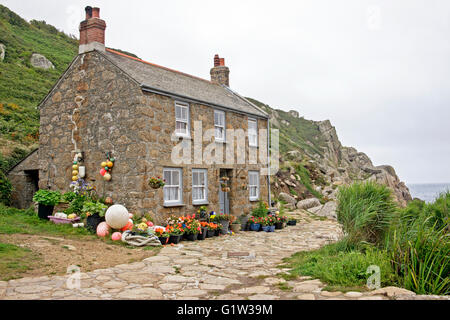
x: 92, y: 31
x: 220, y: 74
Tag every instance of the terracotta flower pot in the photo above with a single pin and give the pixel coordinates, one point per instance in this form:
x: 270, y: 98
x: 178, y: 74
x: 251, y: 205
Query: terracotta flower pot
x: 235, y: 227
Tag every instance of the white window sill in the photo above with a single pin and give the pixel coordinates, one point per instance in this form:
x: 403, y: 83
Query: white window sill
x: 254, y: 199
x: 177, y: 204
x: 184, y: 136
x: 200, y: 203
x: 253, y: 146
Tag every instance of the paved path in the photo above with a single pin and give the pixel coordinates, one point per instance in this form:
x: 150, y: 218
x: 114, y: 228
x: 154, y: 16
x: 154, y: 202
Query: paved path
x: 243, y: 266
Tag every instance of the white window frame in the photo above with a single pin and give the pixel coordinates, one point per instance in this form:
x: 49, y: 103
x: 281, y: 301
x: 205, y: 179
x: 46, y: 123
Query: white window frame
x: 180, y: 187
x: 255, y: 134
x: 184, y: 105
x: 250, y: 173
x: 222, y: 113
x: 205, y: 186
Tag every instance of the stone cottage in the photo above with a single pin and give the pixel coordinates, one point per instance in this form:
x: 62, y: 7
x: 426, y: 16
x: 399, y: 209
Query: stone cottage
x: 143, y: 114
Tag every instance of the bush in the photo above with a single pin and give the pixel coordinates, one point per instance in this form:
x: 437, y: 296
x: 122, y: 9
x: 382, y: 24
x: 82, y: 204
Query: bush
x: 5, y: 189
x: 47, y: 197
x: 260, y: 210
x: 365, y: 210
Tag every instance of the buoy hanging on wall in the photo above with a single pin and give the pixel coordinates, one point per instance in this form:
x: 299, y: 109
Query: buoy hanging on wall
x: 106, y: 167
x: 78, y: 171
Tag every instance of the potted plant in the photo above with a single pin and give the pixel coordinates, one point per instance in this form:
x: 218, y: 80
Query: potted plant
x: 245, y: 226
x: 203, y: 230
x: 291, y: 221
x: 162, y: 235
x: 47, y: 200
x: 202, y: 213
x: 211, y: 230
x: 94, y: 212
x: 235, y: 225
x: 175, y: 233
x: 255, y: 223
x: 218, y: 228
x: 191, y: 228
x: 264, y: 224
x: 156, y: 182
x: 224, y: 220
x: 270, y: 224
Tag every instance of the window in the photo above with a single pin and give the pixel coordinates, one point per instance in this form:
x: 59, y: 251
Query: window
x: 252, y: 133
x: 253, y: 185
x: 173, y: 186
x: 219, y: 125
x: 181, y: 119
x: 199, y: 186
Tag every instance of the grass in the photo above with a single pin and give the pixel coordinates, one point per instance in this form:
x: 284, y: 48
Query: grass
x: 340, y: 269
x: 14, y: 261
x: 411, y: 245
x: 14, y: 220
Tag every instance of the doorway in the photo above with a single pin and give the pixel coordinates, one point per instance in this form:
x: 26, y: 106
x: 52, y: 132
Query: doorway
x: 224, y: 190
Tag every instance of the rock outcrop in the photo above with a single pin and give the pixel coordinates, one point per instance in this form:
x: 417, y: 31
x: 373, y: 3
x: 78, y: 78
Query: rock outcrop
x: 330, y: 164
x: 39, y: 61
x: 2, y: 51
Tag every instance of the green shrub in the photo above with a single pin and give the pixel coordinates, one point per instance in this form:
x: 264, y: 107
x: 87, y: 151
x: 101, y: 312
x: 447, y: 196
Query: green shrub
x: 365, y: 210
x: 94, y: 208
x: 5, y: 189
x: 260, y: 210
x: 47, y: 197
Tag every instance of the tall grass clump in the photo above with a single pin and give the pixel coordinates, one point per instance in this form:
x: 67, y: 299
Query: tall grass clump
x: 419, y: 246
x: 365, y: 210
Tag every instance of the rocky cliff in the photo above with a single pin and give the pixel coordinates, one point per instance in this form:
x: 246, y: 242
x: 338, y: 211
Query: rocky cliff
x: 313, y: 162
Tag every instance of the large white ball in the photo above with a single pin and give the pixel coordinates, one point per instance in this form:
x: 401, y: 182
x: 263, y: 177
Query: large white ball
x: 117, y: 216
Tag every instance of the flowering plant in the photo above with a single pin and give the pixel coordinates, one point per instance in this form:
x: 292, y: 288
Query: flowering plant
x: 269, y: 221
x: 161, y: 232
x: 212, y: 226
x: 256, y: 220
x: 175, y: 230
x: 192, y: 226
x: 156, y: 182
x: 222, y: 216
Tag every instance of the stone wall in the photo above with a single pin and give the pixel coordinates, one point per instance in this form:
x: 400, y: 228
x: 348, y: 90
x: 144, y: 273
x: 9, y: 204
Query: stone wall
x: 24, y: 177
x: 97, y: 108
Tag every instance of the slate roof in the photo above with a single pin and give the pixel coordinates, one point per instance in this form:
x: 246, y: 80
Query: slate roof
x: 165, y: 80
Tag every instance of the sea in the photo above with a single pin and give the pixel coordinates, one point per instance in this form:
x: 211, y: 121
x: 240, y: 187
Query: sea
x: 427, y: 192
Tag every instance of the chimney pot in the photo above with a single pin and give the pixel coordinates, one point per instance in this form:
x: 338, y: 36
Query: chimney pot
x: 220, y: 74
x: 95, y: 12
x: 88, y: 10
x: 92, y: 31
x: 216, y: 60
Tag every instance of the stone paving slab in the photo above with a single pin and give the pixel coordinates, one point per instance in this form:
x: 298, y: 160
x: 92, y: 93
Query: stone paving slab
x: 244, y: 266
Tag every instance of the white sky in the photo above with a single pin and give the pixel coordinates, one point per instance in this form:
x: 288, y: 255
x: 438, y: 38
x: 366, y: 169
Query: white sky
x: 379, y: 70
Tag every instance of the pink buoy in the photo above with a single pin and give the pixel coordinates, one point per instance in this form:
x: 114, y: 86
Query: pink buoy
x: 130, y: 216
x: 102, y: 229
x: 116, y: 236
x: 102, y: 172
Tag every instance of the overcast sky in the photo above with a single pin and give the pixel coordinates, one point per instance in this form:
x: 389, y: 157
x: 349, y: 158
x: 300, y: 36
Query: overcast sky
x: 379, y: 70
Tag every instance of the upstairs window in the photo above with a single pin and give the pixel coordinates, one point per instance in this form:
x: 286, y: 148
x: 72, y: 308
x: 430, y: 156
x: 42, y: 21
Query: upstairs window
x: 253, y: 185
x: 219, y: 125
x: 252, y: 132
x: 199, y: 186
x: 181, y: 119
x: 173, y: 186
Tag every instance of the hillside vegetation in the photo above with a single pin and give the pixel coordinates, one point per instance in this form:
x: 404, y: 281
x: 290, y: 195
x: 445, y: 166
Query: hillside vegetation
x: 23, y: 86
